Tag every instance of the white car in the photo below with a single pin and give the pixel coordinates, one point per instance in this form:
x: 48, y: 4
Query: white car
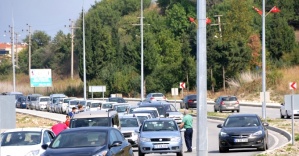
x: 42, y: 103
x: 284, y: 113
x: 25, y: 141
x: 94, y: 105
x: 62, y: 105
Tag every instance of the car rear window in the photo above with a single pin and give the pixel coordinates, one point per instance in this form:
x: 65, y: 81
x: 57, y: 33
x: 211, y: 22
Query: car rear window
x: 158, y: 95
x: 229, y: 99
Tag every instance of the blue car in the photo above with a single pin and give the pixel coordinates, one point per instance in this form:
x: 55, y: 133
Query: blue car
x: 21, y: 102
x: 160, y: 135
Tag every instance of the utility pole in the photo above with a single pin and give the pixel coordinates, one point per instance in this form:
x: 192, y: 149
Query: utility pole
x: 29, y: 49
x: 72, y: 27
x: 13, y: 56
x: 141, y: 37
x: 218, y: 24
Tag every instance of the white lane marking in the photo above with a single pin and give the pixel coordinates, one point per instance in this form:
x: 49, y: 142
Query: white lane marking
x: 276, y: 140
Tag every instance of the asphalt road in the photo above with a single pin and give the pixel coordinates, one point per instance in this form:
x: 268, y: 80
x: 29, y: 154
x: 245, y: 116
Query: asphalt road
x: 275, y: 139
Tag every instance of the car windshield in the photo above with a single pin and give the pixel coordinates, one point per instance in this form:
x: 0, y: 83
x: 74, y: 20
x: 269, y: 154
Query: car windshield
x: 121, y: 108
x: 33, y: 98
x: 113, y: 99
x: 106, y: 105
x: 80, y: 139
x: 44, y: 99
x: 66, y: 100
x: 95, y: 105
x: 21, y: 138
x: 242, y: 121
x: 129, y: 122
x: 89, y: 122
x: 229, y: 99
x: 157, y: 95
x: 160, y: 126
x: 142, y: 118
x: 74, y: 103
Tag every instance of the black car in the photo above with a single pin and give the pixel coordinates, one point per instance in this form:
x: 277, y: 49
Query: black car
x: 189, y: 101
x: 243, y: 131
x: 116, y: 99
x: 89, y: 141
x: 21, y: 102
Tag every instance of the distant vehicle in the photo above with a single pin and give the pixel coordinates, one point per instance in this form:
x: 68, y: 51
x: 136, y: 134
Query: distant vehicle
x: 94, y: 105
x: 160, y: 135
x: 243, y: 131
x: 32, y: 101
x: 227, y: 103
x: 42, y: 103
x: 96, y: 141
x: 189, y: 101
x: 107, y: 105
x: 25, y: 141
x: 104, y: 118
x: 155, y: 97
x: 121, y: 108
x: 130, y: 109
x: 165, y: 109
x: 54, y: 101
x: 286, y: 107
x: 141, y: 116
x: 21, y: 102
x: 129, y: 124
x: 72, y: 103
x: 62, y: 105
x: 153, y: 113
x: 116, y: 99
x: 153, y: 109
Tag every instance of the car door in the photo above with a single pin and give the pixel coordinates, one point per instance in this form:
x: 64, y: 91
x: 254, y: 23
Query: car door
x: 125, y: 146
x: 117, y: 150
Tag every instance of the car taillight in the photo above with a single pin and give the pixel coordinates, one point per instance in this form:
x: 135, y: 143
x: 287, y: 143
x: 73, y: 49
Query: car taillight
x: 190, y: 100
x: 237, y: 102
x: 152, y: 98
x: 221, y: 103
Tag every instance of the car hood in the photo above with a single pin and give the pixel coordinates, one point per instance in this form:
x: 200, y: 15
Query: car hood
x: 128, y: 129
x: 240, y: 130
x: 21, y: 150
x: 160, y: 134
x: 175, y: 114
x: 82, y: 151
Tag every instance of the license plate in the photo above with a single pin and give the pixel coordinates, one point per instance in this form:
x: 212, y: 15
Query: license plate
x: 230, y: 107
x: 161, y: 146
x: 241, y: 140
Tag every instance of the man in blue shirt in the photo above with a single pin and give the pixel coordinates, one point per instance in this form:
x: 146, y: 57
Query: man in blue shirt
x: 71, y: 114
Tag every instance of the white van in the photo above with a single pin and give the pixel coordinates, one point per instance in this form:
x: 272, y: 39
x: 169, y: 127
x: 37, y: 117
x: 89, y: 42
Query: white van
x: 42, y: 103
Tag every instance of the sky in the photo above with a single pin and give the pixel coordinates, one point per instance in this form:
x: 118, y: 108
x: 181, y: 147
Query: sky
x: 49, y: 16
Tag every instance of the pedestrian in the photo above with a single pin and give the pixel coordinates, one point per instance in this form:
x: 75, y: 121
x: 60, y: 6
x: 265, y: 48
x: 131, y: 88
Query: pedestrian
x: 80, y: 108
x: 187, y: 124
x: 67, y: 120
x: 59, y: 127
x: 71, y: 114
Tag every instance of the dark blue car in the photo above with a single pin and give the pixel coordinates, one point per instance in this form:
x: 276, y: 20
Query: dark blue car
x: 21, y: 102
x: 88, y: 141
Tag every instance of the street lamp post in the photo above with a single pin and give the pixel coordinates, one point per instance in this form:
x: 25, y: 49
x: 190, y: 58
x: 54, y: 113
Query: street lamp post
x: 141, y: 33
x: 84, y: 62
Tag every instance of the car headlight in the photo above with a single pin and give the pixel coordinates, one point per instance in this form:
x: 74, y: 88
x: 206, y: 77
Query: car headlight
x: 32, y: 153
x: 257, y: 133
x: 223, y: 134
x: 145, y: 139
x: 176, y: 139
x: 102, y: 153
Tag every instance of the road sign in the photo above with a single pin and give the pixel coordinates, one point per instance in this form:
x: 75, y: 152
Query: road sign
x: 40, y: 78
x: 174, y: 91
x: 293, y: 85
x: 97, y: 88
x: 182, y: 85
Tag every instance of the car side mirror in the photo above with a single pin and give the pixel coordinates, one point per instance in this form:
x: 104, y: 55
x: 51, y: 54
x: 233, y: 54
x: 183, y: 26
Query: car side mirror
x: 115, y: 144
x: 45, y: 146
x: 219, y: 126
x: 265, y: 124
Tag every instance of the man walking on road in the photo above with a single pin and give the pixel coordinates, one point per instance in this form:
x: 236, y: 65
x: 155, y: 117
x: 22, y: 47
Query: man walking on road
x: 187, y: 124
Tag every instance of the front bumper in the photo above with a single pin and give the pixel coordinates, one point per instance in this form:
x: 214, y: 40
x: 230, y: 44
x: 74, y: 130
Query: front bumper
x: 160, y: 147
x: 251, y: 142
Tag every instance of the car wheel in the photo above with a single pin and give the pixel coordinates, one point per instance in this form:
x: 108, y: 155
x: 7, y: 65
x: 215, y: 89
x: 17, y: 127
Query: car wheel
x: 181, y: 105
x: 263, y: 147
x: 215, y: 109
x: 179, y: 153
x: 233, y: 111
x: 223, y: 149
x: 220, y: 110
x: 140, y: 153
x: 238, y: 110
x: 281, y: 116
x: 186, y: 106
x: 288, y: 116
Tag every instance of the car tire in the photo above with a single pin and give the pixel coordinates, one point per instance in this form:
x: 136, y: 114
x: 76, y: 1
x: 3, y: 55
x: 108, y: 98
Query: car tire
x: 238, y: 110
x: 223, y: 149
x: 140, y: 153
x: 186, y: 106
x: 179, y: 153
x: 288, y: 116
x: 281, y: 116
x: 220, y: 110
x: 215, y: 109
x: 182, y: 105
x: 263, y: 147
x: 233, y: 111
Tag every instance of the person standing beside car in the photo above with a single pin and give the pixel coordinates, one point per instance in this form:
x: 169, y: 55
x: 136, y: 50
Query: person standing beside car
x: 71, y: 114
x: 188, y: 134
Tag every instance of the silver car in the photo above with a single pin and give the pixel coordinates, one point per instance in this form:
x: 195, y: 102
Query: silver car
x: 129, y: 124
x: 160, y: 135
x: 227, y: 103
x: 155, y: 97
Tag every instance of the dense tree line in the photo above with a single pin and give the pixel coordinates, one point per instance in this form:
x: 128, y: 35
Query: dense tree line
x: 113, y: 43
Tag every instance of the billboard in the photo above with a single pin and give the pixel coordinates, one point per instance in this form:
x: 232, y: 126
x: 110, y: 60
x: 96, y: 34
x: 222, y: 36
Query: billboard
x: 40, y: 78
